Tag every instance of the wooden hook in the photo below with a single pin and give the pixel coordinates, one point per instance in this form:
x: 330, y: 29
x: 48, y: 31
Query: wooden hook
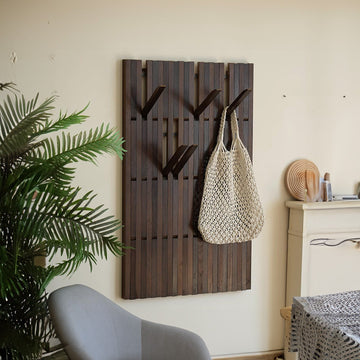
x: 153, y: 98
x: 175, y: 165
x: 171, y: 163
x: 206, y: 102
x: 190, y: 150
x: 238, y: 101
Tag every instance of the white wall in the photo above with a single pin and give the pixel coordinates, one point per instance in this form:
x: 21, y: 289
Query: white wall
x: 305, y: 50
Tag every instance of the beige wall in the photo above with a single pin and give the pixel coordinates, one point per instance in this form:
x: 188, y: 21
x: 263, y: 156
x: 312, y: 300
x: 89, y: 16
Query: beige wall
x: 305, y: 50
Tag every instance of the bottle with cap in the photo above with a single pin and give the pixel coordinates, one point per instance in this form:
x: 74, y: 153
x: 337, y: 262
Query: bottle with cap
x: 327, y: 191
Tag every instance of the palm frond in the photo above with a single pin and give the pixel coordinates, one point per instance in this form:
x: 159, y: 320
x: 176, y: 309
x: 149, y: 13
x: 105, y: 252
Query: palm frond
x: 74, y: 227
x: 20, y: 121
x: 69, y: 266
x: 66, y: 223
x: 84, y: 146
x: 64, y: 122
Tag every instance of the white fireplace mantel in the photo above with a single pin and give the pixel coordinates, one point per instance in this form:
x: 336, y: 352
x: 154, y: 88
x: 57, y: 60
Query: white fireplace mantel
x: 319, y: 269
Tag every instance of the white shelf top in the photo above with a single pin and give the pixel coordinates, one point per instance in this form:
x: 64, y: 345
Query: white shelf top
x: 323, y: 205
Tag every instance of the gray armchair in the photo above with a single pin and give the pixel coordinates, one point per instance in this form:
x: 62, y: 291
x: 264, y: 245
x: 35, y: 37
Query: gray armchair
x: 91, y: 327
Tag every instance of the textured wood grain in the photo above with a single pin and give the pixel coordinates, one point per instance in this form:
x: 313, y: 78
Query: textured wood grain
x: 160, y: 212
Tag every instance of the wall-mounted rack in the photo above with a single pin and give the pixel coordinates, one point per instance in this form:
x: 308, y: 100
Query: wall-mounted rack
x: 170, y: 117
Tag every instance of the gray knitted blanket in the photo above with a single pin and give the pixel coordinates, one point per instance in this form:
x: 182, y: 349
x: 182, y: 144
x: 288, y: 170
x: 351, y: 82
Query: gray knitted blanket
x: 326, y: 327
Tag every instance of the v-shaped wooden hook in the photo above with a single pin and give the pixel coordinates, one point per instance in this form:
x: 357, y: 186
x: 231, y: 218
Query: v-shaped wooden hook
x: 179, y: 159
x: 184, y: 159
x: 206, y: 102
x: 153, y: 98
x: 238, y: 101
x: 171, y: 163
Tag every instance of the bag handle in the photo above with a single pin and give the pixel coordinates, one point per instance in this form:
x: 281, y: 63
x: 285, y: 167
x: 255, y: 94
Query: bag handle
x: 234, y: 129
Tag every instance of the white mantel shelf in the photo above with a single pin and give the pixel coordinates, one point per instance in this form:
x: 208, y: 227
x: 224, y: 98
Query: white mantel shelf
x: 323, y: 205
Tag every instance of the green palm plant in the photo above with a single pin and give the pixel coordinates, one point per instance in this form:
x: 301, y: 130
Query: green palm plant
x: 42, y: 213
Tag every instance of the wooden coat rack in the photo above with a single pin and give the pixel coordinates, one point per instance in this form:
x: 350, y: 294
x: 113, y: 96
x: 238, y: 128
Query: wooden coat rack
x: 169, y: 140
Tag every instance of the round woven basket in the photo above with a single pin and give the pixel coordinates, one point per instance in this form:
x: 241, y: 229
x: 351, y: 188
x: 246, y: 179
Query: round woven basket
x: 295, y: 177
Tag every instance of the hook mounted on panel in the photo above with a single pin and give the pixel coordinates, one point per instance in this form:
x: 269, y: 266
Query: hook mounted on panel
x: 238, y: 100
x: 171, y: 163
x: 179, y: 159
x: 189, y: 151
x: 153, y: 98
x: 206, y: 102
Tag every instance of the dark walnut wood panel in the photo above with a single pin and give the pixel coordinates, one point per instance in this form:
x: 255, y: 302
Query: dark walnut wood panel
x: 160, y: 208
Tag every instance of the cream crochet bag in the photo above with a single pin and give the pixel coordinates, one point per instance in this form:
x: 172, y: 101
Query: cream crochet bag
x: 230, y: 210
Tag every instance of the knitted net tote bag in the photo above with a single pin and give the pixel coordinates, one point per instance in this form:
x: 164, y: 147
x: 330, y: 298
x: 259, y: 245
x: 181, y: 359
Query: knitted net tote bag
x: 231, y: 209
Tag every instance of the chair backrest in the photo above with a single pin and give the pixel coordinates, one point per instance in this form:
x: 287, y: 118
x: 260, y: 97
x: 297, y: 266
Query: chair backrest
x: 91, y: 327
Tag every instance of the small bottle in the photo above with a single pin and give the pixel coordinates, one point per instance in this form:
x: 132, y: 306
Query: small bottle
x: 327, y: 191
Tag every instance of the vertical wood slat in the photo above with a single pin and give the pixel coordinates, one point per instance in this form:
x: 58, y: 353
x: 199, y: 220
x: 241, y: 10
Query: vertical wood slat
x: 233, y: 91
x: 198, y: 246
x: 168, y: 237
x: 179, y: 86
x: 189, y: 84
x: 218, y: 105
x: 139, y: 125
x: 160, y: 182
x: 250, y: 74
x: 241, y: 78
x: 232, y: 258
x: 152, y: 73
x: 243, y: 252
x: 149, y: 195
x: 171, y: 259
x: 126, y: 263
x: 241, y: 75
x: 248, y: 265
x: 207, y: 248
